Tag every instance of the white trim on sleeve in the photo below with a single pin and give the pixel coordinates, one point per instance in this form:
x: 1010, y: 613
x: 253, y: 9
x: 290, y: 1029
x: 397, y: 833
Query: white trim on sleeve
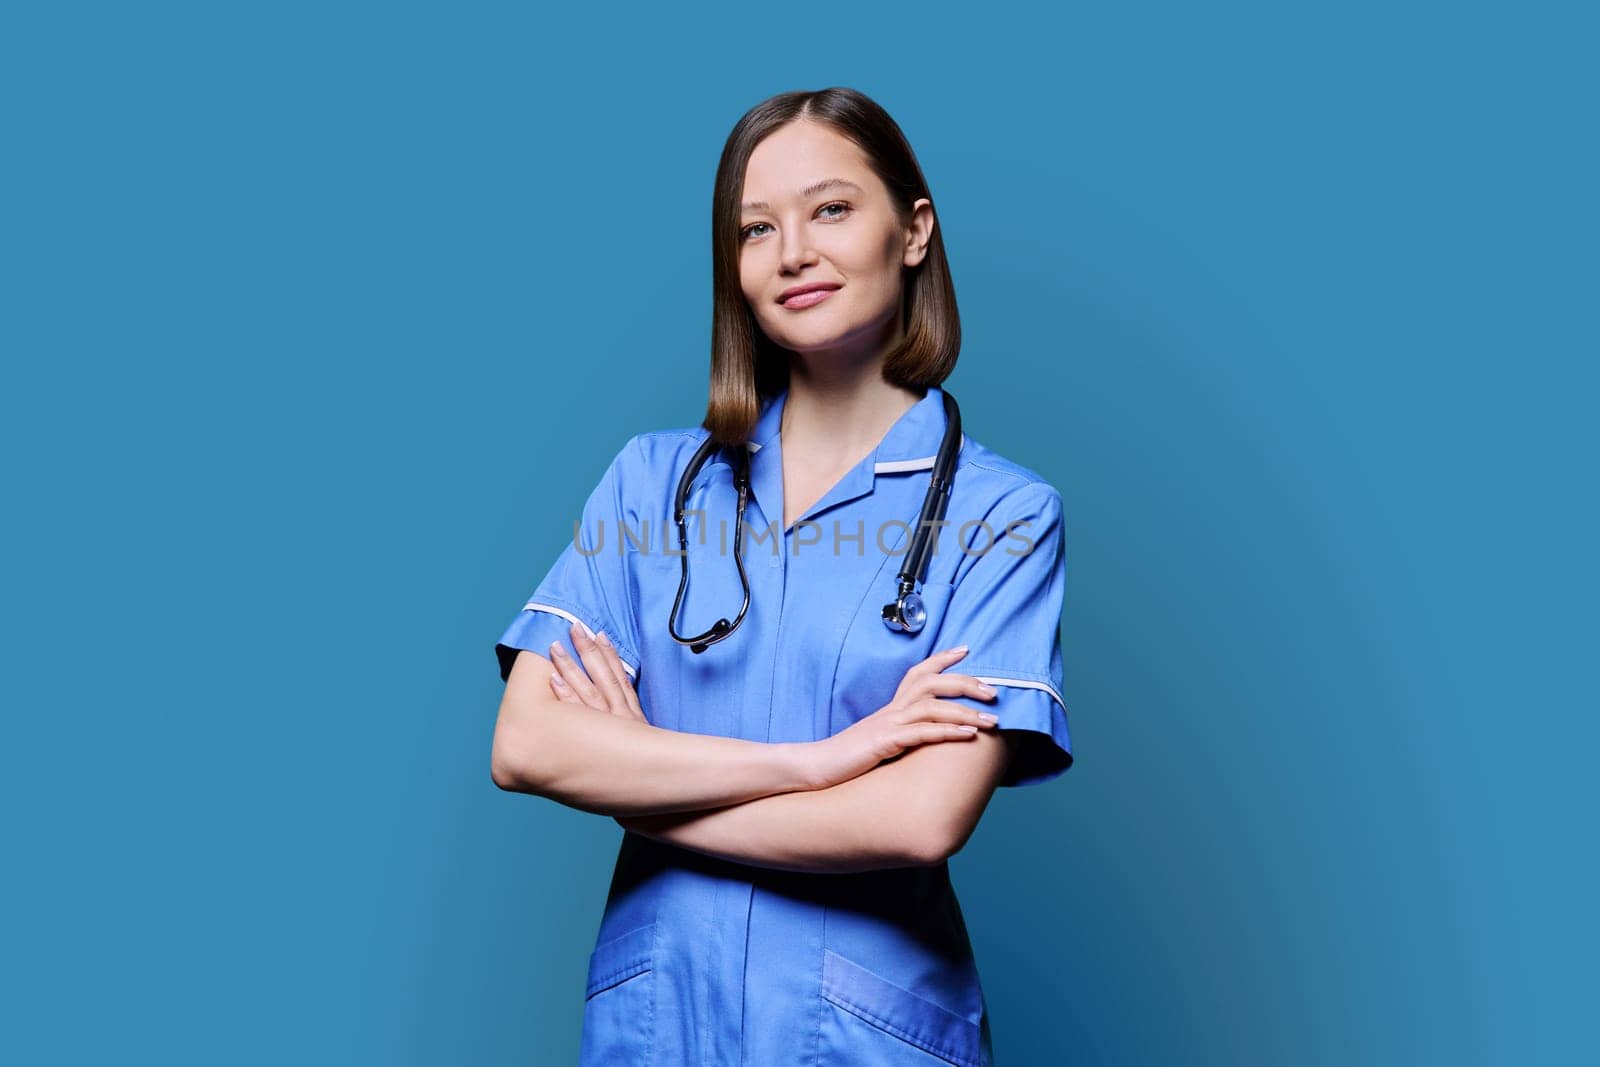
x: 534, y: 605
x: 1021, y: 684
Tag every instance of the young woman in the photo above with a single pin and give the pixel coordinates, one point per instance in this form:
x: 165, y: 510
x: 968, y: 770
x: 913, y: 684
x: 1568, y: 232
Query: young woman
x: 757, y: 694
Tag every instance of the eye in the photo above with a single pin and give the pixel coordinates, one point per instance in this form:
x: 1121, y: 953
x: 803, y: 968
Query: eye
x: 844, y: 210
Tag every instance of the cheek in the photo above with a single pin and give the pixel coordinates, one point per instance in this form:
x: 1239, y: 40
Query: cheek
x: 873, y: 263
x: 752, y: 273
x: 891, y: 253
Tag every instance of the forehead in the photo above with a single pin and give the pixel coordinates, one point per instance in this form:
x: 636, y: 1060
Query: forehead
x: 792, y: 158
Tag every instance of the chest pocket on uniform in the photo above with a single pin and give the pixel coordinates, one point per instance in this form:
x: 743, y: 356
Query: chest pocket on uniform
x: 873, y: 659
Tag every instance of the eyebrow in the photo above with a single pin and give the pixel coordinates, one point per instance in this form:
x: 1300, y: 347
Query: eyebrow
x: 809, y: 191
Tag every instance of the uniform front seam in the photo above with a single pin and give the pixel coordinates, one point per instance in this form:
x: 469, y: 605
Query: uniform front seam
x: 744, y: 972
x: 650, y: 1014
x: 707, y: 1029
x: 656, y: 985
x: 817, y: 1060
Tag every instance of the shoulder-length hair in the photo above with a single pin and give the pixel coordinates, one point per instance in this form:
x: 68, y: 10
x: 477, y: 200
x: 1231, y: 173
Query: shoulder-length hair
x: 747, y: 368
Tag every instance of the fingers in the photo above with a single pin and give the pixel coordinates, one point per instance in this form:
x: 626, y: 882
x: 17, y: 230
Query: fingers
x: 601, y: 673
x: 953, y: 685
x: 561, y: 689
x: 572, y: 673
x: 927, y: 733
x: 932, y: 709
x: 912, y: 684
x: 928, y: 678
x: 931, y: 720
x: 614, y: 658
x: 599, y: 680
x: 937, y: 662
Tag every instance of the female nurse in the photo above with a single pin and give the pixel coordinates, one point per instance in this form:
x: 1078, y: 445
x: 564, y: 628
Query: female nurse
x: 792, y: 791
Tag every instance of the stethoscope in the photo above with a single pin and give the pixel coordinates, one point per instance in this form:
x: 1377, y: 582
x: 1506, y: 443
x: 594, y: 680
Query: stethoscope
x: 906, y: 614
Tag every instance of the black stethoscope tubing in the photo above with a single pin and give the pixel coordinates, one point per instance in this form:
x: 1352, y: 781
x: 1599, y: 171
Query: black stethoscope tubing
x: 905, y: 614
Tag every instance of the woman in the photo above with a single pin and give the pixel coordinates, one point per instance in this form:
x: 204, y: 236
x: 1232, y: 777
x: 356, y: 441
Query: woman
x: 792, y: 791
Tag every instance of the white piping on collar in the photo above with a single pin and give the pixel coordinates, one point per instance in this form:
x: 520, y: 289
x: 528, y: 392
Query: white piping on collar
x: 895, y: 466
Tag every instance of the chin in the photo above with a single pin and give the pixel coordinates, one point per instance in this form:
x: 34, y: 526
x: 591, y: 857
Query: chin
x: 819, y: 331
x: 815, y: 342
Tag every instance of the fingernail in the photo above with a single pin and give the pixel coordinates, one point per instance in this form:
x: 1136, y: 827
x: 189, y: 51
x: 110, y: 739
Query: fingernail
x: 556, y: 680
x: 990, y: 719
x: 969, y: 728
x: 603, y: 639
x: 953, y: 651
x: 557, y: 650
x: 986, y: 689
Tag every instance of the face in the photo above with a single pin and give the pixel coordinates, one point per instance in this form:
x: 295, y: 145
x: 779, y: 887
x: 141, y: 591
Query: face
x: 814, y: 212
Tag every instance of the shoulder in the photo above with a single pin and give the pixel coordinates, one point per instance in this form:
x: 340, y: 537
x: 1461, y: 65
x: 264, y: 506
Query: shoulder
x: 993, y: 479
x: 650, y: 464
x: 669, y: 444
x: 652, y: 454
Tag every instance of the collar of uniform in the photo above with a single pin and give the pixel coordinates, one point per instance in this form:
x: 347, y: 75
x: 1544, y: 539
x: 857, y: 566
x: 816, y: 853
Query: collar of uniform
x: 912, y: 444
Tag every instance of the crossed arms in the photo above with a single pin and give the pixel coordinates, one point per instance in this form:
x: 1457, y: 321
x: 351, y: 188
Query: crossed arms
x: 747, y: 801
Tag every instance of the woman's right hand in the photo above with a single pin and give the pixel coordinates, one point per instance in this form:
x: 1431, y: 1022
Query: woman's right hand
x: 916, y: 716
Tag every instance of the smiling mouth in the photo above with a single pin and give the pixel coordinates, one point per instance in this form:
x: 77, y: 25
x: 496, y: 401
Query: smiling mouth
x: 809, y: 298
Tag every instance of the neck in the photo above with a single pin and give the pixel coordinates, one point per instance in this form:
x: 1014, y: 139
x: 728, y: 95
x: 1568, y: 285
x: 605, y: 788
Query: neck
x: 839, y: 405
x: 840, y: 416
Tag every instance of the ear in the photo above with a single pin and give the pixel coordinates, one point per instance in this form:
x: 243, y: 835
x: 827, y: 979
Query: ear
x: 919, y: 232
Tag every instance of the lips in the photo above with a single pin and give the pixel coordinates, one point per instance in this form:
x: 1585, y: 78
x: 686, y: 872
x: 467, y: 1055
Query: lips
x: 806, y: 295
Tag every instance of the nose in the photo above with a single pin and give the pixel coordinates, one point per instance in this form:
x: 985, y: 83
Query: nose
x: 794, y: 250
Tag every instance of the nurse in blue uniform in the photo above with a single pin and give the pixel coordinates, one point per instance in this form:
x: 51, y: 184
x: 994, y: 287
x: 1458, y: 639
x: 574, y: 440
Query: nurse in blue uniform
x: 791, y: 792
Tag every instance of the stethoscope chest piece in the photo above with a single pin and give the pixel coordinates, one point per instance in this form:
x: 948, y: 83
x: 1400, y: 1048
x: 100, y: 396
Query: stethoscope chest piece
x: 907, y: 614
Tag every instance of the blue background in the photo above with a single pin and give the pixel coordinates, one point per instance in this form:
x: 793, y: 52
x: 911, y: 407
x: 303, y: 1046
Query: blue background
x: 321, y: 320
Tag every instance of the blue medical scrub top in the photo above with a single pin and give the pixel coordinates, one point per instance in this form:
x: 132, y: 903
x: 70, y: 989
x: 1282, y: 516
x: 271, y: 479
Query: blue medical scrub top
x: 704, y: 961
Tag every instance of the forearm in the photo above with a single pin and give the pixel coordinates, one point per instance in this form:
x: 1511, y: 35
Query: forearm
x: 611, y: 765
x: 868, y: 823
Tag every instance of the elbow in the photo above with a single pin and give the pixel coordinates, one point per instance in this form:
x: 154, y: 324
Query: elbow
x: 503, y: 771
x: 511, y: 763
x: 941, y: 839
x: 932, y: 847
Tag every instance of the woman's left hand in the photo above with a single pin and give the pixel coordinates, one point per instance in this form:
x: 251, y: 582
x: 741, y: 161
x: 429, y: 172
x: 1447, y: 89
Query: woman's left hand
x: 603, y: 686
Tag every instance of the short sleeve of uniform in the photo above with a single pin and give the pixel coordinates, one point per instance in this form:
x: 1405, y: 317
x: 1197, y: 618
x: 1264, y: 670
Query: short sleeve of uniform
x: 588, y: 582
x: 1006, y: 607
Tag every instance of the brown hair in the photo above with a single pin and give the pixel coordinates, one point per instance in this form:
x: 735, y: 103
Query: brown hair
x: 747, y: 368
